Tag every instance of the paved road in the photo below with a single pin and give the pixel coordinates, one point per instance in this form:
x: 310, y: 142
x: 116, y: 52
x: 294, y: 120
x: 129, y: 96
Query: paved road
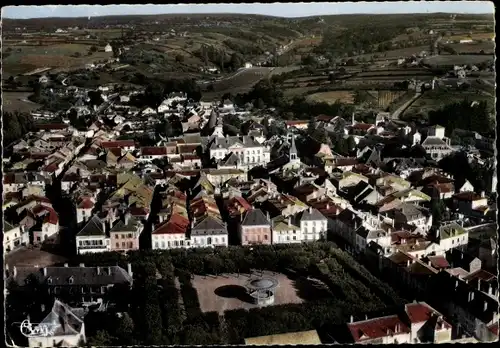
x: 395, y: 115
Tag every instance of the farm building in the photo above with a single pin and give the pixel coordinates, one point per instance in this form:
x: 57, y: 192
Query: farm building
x: 108, y: 48
x: 248, y: 65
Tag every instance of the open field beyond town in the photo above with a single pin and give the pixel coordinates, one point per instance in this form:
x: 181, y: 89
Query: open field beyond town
x: 17, y: 101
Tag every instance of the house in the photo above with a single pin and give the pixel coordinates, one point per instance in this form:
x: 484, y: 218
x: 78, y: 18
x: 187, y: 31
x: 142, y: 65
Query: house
x: 255, y: 228
x: 452, y: 235
x: 43, y: 79
x: 470, y: 203
x: 436, y: 144
x: 208, y: 231
x: 384, y: 330
x: 84, y: 209
x: 92, y: 237
x: 418, y: 323
x: 124, y: 235
x: 67, y: 324
x: 248, y: 65
x: 13, y: 237
x: 82, y: 284
x: 313, y: 225
x: 150, y: 153
x: 108, y: 48
x: 286, y: 230
x: 172, y: 233
x: 296, y: 124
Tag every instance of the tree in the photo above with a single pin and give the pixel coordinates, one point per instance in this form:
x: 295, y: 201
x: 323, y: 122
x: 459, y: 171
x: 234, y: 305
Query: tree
x: 236, y: 61
x: 179, y: 58
x: 437, y: 209
x: 259, y: 104
x: 93, y: 49
x: 350, y: 144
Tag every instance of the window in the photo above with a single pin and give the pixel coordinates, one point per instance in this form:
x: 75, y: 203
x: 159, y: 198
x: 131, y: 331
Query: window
x: 156, y: 245
x: 117, y: 244
x: 117, y: 236
x: 294, y: 238
x: 123, y: 244
x: 130, y: 235
x: 124, y: 236
x: 163, y: 244
x: 265, y: 237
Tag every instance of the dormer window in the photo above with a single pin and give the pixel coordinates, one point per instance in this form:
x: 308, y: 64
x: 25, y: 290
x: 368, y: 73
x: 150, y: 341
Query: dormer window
x: 49, y: 280
x: 71, y: 280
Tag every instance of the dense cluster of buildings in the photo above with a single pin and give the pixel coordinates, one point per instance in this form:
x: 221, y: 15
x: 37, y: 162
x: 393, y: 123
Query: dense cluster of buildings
x: 206, y: 188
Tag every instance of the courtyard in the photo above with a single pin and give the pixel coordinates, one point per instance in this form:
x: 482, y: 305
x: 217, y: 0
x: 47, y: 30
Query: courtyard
x: 227, y: 292
x: 26, y: 257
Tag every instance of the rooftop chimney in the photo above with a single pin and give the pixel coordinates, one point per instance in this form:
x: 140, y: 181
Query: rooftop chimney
x: 82, y: 265
x: 14, y: 271
x: 289, y: 221
x: 352, y: 319
x: 485, y: 307
x: 44, y: 271
x: 129, y: 269
x: 482, y: 194
x: 310, y: 210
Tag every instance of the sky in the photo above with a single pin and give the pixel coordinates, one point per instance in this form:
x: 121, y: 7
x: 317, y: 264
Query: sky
x: 274, y: 9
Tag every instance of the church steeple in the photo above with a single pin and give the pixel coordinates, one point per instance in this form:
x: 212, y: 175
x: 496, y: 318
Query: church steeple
x: 293, y: 150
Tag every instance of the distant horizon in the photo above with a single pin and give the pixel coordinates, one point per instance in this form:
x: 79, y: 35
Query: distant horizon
x: 281, y: 10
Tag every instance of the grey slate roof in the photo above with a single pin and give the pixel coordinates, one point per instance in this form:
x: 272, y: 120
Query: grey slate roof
x: 131, y: 226
x: 65, y: 319
x: 433, y: 141
x: 255, y: 217
x: 311, y: 214
x: 224, y: 143
x: 92, y: 228
x: 60, y: 276
x: 230, y: 160
x: 208, y: 223
x: 7, y: 226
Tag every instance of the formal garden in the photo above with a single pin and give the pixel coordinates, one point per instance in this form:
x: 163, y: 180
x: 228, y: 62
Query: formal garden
x: 165, y: 307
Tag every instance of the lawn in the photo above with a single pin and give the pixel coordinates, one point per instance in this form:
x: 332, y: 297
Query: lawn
x: 435, y: 99
x: 13, y: 101
x: 56, y: 56
x: 331, y: 97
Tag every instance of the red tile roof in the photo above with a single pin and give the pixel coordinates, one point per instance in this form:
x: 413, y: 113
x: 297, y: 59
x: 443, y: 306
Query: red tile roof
x: 138, y: 211
x: 190, y: 157
x: 70, y: 177
x: 480, y: 274
x: 324, y: 118
x: 86, y: 203
x: 347, y: 161
x: 235, y: 204
x: 421, y: 312
x: 51, y: 217
x: 444, y: 187
x: 117, y: 143
x: 9, y: 178
x: 296, y: 122
x: 51, y: 126
x: 52, y: 167
x: 494, y: 328
x: 153, y: 151
x: 439, y: 262
x: 177, y: 224
x: 115, y: 151
x: 187, y: 149
x: 362, y: 126
x: 377, y: 328
x: 467, y: 196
